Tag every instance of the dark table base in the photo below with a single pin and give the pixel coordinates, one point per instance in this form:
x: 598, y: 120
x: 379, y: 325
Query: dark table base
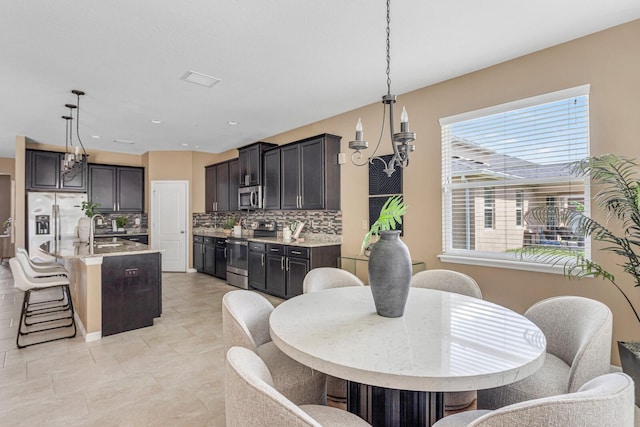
x: 383, y: 407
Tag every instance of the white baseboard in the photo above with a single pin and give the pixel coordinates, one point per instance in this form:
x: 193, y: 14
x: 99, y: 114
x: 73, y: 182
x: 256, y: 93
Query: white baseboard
x: 191, y: 270
x: 93, y: 336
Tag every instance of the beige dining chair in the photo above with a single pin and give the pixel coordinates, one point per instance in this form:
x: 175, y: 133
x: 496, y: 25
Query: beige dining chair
x: 319, y: 279
x: 252, y: 400
x: 459, y: 283
x: 607, y: 400
x: 322, y: 278
x: 245, y: 323
x: 578, y: 332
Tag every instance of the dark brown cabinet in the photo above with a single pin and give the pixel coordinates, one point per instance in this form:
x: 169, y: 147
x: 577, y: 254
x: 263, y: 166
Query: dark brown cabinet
x: 221, y: 189
x: 309, y: 174
x: 250, y: 170
x: 234, y: 184
x: 116, y: 188
x: 286, y: 267
x: 271, y: 180
x: 257, y: 265
x: 210, y: 256
x: 198, y: 253
x: 131, y: 292
x: 43, y: 172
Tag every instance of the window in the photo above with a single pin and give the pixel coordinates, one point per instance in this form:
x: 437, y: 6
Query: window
x: 519, y: 200
x: 501, y: 161
x: 489, y: 202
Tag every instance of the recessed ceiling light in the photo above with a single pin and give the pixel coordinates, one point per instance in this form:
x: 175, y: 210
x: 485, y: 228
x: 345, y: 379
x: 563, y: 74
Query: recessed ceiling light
x: 184, y: 144
x: 95, y: 136
x: 200, y: 79
x: 123, y: 141
x: 155, y: 121
x: 232, y: 122
x: 196, y: 146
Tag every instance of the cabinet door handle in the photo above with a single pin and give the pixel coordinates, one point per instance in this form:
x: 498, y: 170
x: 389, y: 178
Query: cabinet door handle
x: 273, y: 250
x: 296, y: 252
x: 288, y: 261
x: 282, y: 263
x: 114, y: 206
x: 225, y: 253
x: 262, y: 259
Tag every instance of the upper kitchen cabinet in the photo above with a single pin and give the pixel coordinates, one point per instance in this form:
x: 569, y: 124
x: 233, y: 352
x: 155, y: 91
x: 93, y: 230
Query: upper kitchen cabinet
x: 250, y: 158
x: 43, y: 173
x: 116, y: 188
x: 310, y: 173
x: 271, y: 180
x: 221, y: 186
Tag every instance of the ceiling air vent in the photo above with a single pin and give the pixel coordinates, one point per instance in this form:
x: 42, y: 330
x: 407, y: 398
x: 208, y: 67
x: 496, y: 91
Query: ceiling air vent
x: 200, y: 79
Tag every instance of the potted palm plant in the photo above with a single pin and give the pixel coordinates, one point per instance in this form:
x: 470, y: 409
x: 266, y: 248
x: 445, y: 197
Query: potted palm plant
x: 617, y: 184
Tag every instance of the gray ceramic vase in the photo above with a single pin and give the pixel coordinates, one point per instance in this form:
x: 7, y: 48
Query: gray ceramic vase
x: 390, y: 274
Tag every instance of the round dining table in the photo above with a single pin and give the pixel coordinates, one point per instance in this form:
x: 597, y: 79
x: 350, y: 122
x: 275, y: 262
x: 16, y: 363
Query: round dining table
x: 399, y: 368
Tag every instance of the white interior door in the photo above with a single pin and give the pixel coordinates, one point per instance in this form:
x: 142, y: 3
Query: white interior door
x: 169, y: 222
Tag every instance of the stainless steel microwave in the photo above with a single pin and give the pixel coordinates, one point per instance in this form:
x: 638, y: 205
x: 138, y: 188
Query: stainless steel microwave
x: 250, y: 197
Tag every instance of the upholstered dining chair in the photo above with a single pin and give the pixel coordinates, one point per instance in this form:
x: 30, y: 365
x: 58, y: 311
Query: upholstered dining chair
x: 459, y: 283
x: 607, y: 400
x: 319, y: 279
x: 252, y: 400
x: 245, y: 323
x: 578, y: 332
x: 322, y: 278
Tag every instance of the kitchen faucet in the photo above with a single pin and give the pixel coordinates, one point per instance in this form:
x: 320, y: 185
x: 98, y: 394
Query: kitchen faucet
x: 92, y: 229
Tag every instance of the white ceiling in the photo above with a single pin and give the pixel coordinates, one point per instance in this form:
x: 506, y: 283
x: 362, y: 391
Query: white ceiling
x: 282, y: 63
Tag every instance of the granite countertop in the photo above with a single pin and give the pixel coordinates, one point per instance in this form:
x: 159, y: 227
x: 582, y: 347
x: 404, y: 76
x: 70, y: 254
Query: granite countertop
x: 132, y: 232
x: 309, y: 241
x: 110, y: 246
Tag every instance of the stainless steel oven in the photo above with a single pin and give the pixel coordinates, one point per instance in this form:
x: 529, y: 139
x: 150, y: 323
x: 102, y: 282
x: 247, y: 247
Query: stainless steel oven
x: 250, y: 197
x: 238, y: 253
x: 238, y: 262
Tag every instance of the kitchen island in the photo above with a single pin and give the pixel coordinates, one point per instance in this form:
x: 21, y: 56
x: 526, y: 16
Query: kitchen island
x: 116, y: 285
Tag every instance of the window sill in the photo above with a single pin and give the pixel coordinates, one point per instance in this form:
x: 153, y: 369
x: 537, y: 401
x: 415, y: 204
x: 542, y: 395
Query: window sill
x: 503, y: 263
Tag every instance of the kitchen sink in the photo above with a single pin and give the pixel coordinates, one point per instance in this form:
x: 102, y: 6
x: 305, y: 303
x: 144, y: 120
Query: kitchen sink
x: 107, y: 245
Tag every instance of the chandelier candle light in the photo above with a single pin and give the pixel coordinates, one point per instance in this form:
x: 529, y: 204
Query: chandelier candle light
x: 74, y: 160
x: 399, y: 141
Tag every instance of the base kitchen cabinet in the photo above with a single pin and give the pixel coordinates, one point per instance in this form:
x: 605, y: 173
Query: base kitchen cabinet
x: 257, y: 266
x: 287, y: 265
x: 131, y: 292
x: 210, y: 256
x: 198, y: 253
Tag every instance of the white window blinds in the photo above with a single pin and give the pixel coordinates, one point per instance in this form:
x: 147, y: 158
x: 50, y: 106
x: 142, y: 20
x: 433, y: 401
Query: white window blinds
x: 499, y: 162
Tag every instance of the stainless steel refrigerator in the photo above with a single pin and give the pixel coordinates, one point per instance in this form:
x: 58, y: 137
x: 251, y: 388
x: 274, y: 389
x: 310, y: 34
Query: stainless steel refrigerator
x: 51, y: 216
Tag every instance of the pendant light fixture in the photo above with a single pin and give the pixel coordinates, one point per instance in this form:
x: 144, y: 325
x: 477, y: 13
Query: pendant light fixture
x: 400, y: 141
x: 75, y: 157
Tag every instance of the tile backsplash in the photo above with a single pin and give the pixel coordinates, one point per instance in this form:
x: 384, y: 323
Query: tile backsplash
x: 131, y: 222
x: 316, y: 222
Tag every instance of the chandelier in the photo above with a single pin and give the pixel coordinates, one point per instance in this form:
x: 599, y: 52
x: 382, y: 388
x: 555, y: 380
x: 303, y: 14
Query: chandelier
x: 399, y: 141
x: 75, y: 157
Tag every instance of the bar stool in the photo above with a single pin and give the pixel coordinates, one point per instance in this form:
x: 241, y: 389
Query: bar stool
x: 44, y: 268
x: 43, y: 316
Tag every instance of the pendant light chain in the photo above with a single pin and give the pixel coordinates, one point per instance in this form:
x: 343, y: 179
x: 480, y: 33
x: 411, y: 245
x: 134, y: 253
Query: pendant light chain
x: 388, y: 47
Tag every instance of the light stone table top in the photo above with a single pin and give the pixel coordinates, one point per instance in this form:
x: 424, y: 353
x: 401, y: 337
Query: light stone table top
x: 105, y: 246
x: 444, y: 341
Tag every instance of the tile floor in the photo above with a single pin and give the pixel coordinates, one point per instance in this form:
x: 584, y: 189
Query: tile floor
x: 170, y: 374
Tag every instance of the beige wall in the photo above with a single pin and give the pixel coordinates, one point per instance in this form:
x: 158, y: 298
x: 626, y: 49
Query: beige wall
x: 609, y: 61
